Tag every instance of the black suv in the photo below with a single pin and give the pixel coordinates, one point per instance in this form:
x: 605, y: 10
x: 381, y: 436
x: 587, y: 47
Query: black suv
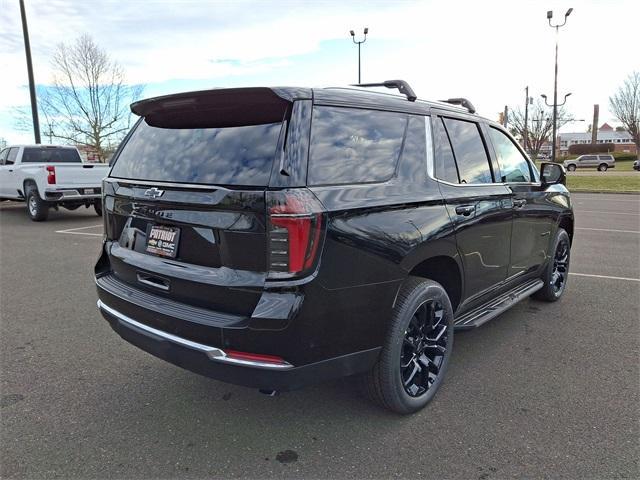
x: 276, y: 237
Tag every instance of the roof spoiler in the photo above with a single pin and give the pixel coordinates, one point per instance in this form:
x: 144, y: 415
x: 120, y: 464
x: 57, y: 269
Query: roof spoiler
x: 225, y: 107
x: 463, y: 102
x: 402, y: 86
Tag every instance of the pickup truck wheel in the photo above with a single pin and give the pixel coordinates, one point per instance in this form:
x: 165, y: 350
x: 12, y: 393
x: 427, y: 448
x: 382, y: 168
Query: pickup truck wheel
x: 415, y: 356
x: 602, y: 167
x: 571, y: 168
x: 97, y: 206
x: 556, y: 272
x: 37, y: 209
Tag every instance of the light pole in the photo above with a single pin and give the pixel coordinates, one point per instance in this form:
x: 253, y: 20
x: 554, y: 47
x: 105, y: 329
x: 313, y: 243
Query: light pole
x: 555, y: 79
x: 32, y: 85
x: 353, y: 37
x: 555, y: 117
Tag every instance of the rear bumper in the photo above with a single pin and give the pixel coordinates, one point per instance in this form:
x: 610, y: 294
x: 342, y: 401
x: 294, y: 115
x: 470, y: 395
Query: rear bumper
x: 64, y: 194
x: 213, y: 362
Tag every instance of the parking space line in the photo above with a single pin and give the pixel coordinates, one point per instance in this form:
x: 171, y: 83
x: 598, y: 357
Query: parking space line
x: 74, y: 231
x: 68, y: 230
x: 608, y: 230
x: 605, y: 276
x: 608, y: 213
x: 598, y: 200
x: 82, y: 233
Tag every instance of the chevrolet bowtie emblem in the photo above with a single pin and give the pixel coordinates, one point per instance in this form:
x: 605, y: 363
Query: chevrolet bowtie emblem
x: 153, y: 192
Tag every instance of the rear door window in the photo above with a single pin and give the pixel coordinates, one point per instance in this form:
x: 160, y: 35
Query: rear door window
x: 50, y: 155
x: 514, y: 167
x: 11, y: 157
x: 469, y: 151
x: 354, y: 146
x: 238, y: 155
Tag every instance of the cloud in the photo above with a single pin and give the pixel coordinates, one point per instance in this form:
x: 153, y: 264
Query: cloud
x: 487, y: 51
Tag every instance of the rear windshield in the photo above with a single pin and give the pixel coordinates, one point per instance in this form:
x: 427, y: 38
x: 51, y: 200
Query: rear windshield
x: 50, y: 155
x: 220, y: 156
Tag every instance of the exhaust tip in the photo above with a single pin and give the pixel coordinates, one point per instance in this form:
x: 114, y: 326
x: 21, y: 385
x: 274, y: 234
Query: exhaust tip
x: 270, y: 393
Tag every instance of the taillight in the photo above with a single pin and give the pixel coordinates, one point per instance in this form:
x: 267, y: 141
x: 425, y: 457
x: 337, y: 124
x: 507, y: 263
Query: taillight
x: 295, y: 232
x: 51, y: 177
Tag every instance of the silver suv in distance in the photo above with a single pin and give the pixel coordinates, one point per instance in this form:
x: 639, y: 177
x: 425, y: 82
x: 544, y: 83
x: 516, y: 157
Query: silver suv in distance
x: 601, y: 162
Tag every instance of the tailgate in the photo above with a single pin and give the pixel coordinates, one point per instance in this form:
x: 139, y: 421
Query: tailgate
x: 202, y: 247
x: 80, y: 175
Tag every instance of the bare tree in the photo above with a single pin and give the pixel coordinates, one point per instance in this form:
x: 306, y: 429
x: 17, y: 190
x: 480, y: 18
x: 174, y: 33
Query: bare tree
x: 88, y: 100
x: 540, y: 125
x: 625, y: 105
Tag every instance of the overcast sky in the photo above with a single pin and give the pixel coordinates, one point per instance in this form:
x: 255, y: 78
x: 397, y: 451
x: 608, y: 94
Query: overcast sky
x: 487, y: 51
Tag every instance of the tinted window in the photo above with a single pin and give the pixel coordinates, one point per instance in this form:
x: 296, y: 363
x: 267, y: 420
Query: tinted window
x: 513, y: 166
x: 222, y: 156
x: 3, y: 155
x: 588, y: 157
x: 469, y: 151
x: 606, y: 157
x: 354, y: 146
x: 11, y: 157
x: 50, y: 155
x: 445, y: 164
x: 413, y: 166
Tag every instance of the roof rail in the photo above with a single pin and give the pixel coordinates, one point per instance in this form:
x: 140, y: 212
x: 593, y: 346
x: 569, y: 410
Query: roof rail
x: 462, y: 102
x: 402, y: 86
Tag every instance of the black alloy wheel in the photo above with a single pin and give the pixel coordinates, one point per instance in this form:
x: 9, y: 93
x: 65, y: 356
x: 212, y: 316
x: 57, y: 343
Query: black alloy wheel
x: 423, y: 348
x: 416, y: 353
x: 560, y: 269
x: 556, y: 273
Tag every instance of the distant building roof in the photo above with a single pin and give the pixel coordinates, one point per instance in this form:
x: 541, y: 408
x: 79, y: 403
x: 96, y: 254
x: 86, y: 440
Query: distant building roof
x: 605, y: 127
x: 602, y: 135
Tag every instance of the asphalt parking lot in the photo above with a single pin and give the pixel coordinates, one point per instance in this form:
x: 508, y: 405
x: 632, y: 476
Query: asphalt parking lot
x: 544, y: 390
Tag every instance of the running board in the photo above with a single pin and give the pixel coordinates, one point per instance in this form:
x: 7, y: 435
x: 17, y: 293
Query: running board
x: 496, y: 306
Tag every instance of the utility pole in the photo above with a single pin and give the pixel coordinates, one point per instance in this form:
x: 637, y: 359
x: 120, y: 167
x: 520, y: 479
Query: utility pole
x: 32, y: 86
x: 594, y: 125
x: 353, y: 37
x: 526, y: 118
x: 506, y: 116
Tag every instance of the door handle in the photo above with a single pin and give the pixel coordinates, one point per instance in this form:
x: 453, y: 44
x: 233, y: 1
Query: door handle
x: 465, y: 210
x: 519, y: 203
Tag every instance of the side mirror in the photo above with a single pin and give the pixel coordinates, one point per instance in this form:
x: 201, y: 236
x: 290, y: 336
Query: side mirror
x: 553, y: 174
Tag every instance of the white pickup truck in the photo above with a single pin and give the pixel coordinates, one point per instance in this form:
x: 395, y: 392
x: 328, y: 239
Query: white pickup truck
x: 49, y: 176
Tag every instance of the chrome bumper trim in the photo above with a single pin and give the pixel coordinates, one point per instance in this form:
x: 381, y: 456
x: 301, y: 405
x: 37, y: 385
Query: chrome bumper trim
x: 213, y: 353
x: 71, y: 194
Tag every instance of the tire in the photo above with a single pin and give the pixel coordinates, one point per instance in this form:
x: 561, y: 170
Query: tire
x: 97, y: 206
x: 556, y: 273
x: 602, y: 167
x: 398, y: 381
x: 571, y: 168
x: 37, y: 209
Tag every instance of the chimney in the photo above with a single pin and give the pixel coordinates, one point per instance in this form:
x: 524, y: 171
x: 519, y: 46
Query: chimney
x: 594, y: 125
